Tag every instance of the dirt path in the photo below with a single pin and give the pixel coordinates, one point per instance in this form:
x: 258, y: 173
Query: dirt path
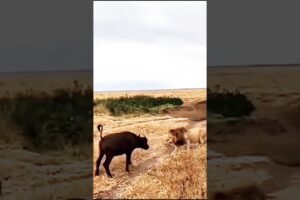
x: 138, y: 170
x: 136, y: 121
x: 230, y: 172
x: 278, y: 177
x: 40, y: 176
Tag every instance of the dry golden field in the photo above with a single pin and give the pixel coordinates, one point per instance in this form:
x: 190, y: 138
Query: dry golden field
x: 187, y: 95
x: 155, y: 174
x: 260, y: 150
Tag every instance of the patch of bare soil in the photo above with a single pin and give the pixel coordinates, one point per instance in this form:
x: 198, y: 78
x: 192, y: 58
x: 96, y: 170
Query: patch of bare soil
x: 274, y: 165
x: 36, y: 176
x: 190, y: 110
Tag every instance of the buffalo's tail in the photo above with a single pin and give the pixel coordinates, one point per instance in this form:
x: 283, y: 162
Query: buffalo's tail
x: 100, y: 129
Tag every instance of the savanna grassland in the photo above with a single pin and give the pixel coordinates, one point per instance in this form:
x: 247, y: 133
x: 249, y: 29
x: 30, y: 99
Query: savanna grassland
x: 260, y: 148
x: 45, y: 139
x: 154, y: 173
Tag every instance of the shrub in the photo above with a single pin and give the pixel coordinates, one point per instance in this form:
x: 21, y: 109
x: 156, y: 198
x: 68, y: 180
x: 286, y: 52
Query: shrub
x: 138, y: 104
x: 51, y: 121
x: 229, y: 103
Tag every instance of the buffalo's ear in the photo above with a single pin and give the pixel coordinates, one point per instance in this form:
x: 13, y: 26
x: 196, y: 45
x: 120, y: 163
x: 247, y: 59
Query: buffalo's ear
x: 139, y: 135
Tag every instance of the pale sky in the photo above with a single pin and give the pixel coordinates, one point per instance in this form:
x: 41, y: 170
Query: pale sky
x: 149, y: 45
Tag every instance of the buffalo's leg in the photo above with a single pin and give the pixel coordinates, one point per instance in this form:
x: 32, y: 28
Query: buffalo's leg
x: 98, y: 163
x: 128, y: 161
x: 106, y: 164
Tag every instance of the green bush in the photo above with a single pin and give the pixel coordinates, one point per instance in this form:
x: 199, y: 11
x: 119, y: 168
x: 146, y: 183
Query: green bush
x: 51, y: 121
x: 229, y: 103
x: 138, y: 104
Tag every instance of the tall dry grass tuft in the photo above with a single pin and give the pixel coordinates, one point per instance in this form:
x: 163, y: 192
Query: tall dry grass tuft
x: 180, y: 176
x: 101, y: 109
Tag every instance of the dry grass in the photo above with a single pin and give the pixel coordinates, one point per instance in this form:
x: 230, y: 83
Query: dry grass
x: 152, y: 173
x: 156, y: 132
x: 100, y: 108
x: 182, y: 176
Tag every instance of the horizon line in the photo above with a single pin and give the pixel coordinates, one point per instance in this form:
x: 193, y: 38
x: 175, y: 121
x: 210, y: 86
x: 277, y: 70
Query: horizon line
x: 44, y: 71
x: 138, y: 90
x: 257, y: 65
